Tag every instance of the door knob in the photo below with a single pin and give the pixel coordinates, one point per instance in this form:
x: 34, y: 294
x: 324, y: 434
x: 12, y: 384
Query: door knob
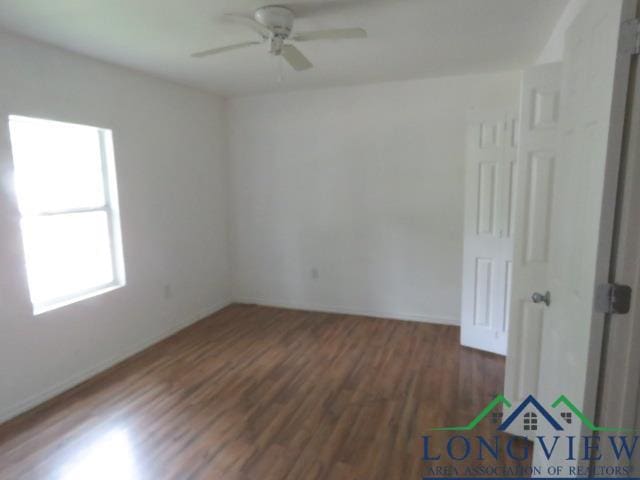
x: 542, y: 298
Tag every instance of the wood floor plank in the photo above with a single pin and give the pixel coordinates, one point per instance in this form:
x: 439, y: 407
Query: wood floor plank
x: 261, y: 393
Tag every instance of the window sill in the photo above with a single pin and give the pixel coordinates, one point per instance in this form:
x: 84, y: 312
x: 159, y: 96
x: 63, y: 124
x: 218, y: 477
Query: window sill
x: 55, y: 304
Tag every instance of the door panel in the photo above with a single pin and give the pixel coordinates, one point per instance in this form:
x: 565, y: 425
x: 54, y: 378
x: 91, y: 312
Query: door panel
x: 483, y: 295
x: 544, y: 109
x: 539, y: 183
x: 487, y: 200
x: 510, y: 179
x: 508, y: 279
x: 532, y: 322
x: 508, y: 166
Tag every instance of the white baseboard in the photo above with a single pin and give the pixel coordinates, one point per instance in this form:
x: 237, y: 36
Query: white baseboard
x: 414, y: 317
x: 71, y: 382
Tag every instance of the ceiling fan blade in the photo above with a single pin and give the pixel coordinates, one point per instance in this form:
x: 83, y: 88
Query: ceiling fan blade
x: 295, y: 58
x: 213, y: 51
x: 257, y: 27
x: 335, y: 34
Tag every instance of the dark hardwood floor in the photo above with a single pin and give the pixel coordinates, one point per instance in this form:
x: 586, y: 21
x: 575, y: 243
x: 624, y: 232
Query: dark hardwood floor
x: 262, y: 393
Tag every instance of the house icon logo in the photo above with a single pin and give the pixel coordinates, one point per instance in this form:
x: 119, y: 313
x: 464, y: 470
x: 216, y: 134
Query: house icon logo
x: 530, y: 412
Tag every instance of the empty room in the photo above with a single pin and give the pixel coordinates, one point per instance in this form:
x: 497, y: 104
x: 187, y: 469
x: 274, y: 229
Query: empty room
x: 319, y: 239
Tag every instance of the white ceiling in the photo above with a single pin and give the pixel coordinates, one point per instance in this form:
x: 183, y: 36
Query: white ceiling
x: 407, y: 38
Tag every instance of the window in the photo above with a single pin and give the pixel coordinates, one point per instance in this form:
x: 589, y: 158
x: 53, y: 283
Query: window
x: 566, y: 416
x: 530, y: 421
x: 65, y: 183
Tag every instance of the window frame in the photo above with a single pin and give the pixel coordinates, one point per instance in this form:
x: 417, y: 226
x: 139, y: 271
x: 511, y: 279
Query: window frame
x: 110, y: 207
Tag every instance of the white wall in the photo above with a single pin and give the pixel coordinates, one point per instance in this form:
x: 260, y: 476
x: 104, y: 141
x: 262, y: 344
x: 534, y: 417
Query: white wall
x: 364, y: 184
x: 553, y: 50
x: 169, y: 146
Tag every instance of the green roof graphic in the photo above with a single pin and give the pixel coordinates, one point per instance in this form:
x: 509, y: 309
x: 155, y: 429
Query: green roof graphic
x: 585, y: 421
x: 499, y: 400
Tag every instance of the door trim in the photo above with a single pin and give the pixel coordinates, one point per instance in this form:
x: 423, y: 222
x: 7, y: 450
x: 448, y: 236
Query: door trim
x: 619, y: 376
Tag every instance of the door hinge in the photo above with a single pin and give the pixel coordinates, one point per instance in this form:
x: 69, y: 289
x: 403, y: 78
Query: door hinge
x: 613, y: 298
x: 630, y: 37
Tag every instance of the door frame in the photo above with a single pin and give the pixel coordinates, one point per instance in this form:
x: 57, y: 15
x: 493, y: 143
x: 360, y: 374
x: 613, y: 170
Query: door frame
x: 618, y: 384
x: 610, y: 203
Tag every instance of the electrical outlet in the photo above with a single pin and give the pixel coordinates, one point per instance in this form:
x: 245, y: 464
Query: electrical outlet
x: 315, y: 274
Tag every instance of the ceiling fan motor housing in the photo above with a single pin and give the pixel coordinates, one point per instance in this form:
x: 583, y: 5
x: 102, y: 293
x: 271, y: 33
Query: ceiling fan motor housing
x: 276, y: 18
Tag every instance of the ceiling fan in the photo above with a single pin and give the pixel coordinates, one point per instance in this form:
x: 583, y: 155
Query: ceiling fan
x: 274, y: 24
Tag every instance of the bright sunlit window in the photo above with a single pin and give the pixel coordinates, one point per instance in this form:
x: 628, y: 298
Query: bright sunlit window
x: 65, y: 182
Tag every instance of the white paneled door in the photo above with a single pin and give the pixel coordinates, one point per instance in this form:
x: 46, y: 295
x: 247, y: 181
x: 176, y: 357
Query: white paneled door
x: 594, y: 85
x: 537, y: 163
x: 488, y: 229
